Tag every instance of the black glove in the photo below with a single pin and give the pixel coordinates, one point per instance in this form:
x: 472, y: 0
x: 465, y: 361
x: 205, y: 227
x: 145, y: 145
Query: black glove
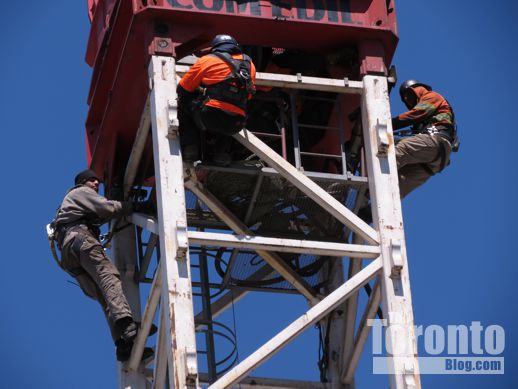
x: 147, y: 207
x: 397, y: 124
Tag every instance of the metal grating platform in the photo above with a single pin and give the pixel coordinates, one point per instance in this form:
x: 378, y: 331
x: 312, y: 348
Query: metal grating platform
x: 270, y: 206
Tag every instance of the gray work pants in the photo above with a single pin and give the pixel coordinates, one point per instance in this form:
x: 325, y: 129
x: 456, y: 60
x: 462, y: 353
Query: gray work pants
x: 84, y: 258
x: 416, y: 150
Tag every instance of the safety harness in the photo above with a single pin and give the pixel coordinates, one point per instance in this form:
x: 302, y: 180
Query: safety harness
x: 450, y: 134
x: 56, y: 234
x: 237, y: 86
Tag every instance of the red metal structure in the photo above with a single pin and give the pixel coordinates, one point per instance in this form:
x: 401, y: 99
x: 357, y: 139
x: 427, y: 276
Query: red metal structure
x: 125, y: 33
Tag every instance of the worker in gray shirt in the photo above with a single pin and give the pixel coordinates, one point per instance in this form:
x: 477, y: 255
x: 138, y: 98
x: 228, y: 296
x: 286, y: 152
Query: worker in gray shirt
x: 77, y: 223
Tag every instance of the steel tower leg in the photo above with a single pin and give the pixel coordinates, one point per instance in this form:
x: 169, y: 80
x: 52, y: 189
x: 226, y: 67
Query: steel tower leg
x: 176, y: 294
x: 125, y: 257
x: 336, y: 326
x: 355, y: 265
x: 386, y: 209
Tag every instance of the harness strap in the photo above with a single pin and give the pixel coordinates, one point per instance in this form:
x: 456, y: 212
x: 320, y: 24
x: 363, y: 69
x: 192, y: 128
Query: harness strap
x: 227, y: 58
x: 236, y: 86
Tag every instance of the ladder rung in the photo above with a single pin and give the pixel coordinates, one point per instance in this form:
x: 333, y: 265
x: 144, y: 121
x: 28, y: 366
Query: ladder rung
x: 319, y: 127
x: 327, y: 99
x: 266, y: 134
x: 320, y: 155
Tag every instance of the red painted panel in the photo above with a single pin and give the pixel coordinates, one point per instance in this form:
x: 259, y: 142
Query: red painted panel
x: 122, y: 31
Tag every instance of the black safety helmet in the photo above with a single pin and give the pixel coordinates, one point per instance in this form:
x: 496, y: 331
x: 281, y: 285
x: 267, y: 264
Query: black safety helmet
x: 223, y: 39
x: 84, y: 176
x: 409, y: 84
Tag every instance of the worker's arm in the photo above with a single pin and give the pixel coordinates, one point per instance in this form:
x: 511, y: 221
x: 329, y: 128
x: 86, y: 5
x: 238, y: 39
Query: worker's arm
x: 105, y: 209
x: 194, y: 76
x: 424, y: 109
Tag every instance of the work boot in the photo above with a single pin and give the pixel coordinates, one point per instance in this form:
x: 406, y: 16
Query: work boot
x: 152, y: 330
x: 147, y: 353
x: 128, y: 328
x: 123, y: 351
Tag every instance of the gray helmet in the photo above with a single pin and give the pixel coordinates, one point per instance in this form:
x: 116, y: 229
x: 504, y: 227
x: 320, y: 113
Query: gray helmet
x: 409, y: 84
x: 84, y: 176
x: 223, y: 40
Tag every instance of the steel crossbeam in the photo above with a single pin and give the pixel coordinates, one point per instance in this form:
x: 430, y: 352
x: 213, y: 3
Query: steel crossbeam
x: 283, y: 245
x: 137, y: 149
x: 239, y: 227
x: 307, y: 186
x: 301, y: 82
x: 305, y: 321
x: 268, y: 244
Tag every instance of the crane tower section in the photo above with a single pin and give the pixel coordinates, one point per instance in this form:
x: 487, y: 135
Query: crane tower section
x: 282, y: 217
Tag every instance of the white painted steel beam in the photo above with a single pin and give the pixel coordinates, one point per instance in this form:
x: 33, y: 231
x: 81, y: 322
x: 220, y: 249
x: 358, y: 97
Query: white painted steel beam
x: 146, y: 259
x: 239, y: 227
x: 332, y: 327
x: 145, y: 221
x: 176, y: 298
x: 351, y: 311
x: 125, y: 258
x: 283, y: 245
x: 362, y: 335
x: 301, y: 82
x: 273, y: 383
x: 313, y: 315
x: 270, y: 244
x: 137, y: 149
x: 160, y: 370
x: 307, y: 186
x: 386, y: 210
x: 147, y: 321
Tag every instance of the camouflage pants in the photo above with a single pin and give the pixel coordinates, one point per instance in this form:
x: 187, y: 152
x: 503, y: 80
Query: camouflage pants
x: 414, y: 152
x: 83, y: 257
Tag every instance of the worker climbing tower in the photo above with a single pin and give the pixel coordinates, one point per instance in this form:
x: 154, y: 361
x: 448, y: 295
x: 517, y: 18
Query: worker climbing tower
x: 317, y: 147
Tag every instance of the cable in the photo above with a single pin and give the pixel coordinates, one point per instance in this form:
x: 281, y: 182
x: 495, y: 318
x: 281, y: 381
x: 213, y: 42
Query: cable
x: 235, y: 328
x: 323, y: 350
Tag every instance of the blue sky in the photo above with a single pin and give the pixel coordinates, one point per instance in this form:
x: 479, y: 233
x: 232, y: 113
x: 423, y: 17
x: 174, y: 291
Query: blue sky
x: 460, y: 226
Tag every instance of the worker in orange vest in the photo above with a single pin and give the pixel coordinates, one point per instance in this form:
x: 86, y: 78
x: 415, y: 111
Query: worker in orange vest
x: 433, y: 136
x: 212, y: 98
